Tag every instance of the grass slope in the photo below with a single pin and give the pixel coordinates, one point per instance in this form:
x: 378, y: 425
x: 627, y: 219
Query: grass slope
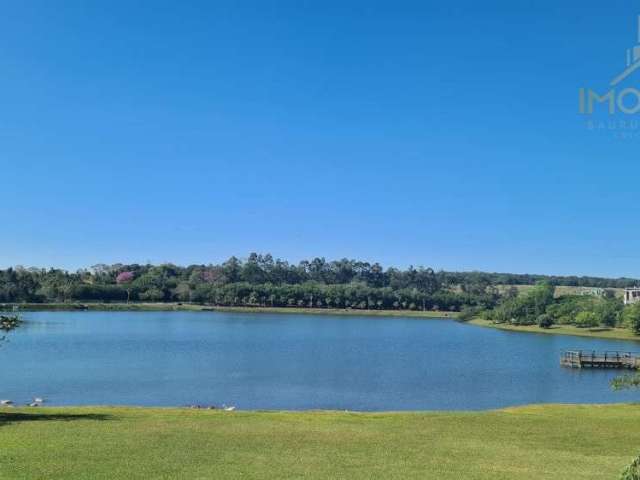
x: 610, y: 333
x: 540, y: 442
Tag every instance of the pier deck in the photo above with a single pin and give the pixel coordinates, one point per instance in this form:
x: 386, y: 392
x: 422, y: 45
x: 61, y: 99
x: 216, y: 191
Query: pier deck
x: 593, y: 359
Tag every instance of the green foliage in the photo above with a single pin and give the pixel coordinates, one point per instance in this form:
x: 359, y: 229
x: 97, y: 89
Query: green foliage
x: 584, y: 311
x: 525, y: 309
x: 541, y: 297
x: 586, y: 320
x: 459, y: 278
x: 632, y: 472
x: 631, y: 317
x: 609, y: 311
x: 469, y: 313
x: 152, y: 294
x: 626, y: 382
x: 260, y: 280
x: 565, y: 309
x: 8, y: 323
x: 545, y: 321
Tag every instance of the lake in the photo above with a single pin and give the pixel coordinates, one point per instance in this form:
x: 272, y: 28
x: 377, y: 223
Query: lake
x: 293, y: 362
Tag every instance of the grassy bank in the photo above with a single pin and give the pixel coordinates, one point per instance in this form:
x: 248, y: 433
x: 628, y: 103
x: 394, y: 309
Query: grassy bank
x: 541, y: 442
x: 560, y: 290
x: 157, y: 307
x: 610, y: 333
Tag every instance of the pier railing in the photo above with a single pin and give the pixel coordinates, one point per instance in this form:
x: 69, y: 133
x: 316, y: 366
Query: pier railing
x: 595, y: 359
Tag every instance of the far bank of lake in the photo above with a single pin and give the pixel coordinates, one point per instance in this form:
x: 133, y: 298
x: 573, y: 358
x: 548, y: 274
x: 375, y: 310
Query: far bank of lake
x: 605, y: 333
x: 192, y: 307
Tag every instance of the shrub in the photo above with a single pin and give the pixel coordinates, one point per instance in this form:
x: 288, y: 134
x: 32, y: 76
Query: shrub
x: 631, y: 317
x: 586, y: 320
x: 8, y: 323
x: 545, y: 320
x: 152, y: 295
x: 632, y: 472
x: 609, y: 312
x: 468, y: 313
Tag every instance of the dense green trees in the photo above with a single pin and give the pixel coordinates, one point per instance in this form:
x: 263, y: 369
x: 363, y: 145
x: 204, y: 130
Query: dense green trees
x: 631, y: 318
x: 524, y: 309
x: 459, y: 278
x: 586, y: 319
x: 260, y: 280
x: 545, y: 321
x: 538, y: 306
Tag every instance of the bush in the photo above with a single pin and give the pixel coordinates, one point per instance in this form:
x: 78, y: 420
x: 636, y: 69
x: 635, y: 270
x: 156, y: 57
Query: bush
x: 586, y: 320
x: 631, y: 317
x: 152, y: 295
x: 609, y: 312
x: 632, y: 472
x: 545, y: 320
x: 9, y: 322
x: 468, y: 313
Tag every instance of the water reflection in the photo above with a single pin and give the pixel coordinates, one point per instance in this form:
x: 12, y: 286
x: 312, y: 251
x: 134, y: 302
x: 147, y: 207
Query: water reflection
x: 265, y: 361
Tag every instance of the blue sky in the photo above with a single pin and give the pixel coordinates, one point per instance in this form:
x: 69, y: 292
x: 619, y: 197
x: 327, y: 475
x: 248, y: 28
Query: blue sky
x: 429, y: 133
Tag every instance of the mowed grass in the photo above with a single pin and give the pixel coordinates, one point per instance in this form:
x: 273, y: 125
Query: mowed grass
x: 538, y: 442
x: 599, y: 332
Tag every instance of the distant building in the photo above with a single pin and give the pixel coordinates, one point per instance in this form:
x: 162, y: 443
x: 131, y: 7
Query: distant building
x: 631, y: 295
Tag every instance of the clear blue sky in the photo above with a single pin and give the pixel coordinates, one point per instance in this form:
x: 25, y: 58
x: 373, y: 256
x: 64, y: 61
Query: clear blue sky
x: 429, y: 133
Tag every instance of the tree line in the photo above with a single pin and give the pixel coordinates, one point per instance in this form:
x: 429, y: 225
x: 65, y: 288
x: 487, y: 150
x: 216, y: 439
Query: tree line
x: 541, y: 306
x: 261, y: 280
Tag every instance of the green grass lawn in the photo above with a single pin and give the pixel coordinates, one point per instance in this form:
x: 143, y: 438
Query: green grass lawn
x: 610, y: 333
x: 538, y: 442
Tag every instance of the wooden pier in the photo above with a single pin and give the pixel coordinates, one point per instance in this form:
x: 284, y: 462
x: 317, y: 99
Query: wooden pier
x: 593, y: 359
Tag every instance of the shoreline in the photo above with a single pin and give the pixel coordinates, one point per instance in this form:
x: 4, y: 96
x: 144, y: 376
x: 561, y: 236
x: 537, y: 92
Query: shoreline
x: 47, y: 408
x: 567, y: 330
x: 190, y: 307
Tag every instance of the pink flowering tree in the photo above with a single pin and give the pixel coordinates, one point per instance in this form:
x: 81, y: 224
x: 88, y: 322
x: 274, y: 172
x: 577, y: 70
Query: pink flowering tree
x: 125, y: 278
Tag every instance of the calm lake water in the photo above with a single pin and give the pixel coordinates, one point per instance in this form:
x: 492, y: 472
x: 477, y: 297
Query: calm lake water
x: 269, y: 361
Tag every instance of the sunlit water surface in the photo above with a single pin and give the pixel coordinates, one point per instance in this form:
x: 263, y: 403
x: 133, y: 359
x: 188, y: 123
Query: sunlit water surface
x: 271, y: 361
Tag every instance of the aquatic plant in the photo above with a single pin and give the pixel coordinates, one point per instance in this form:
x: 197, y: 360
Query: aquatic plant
x: 7, y: 324
x: 632, y: 472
